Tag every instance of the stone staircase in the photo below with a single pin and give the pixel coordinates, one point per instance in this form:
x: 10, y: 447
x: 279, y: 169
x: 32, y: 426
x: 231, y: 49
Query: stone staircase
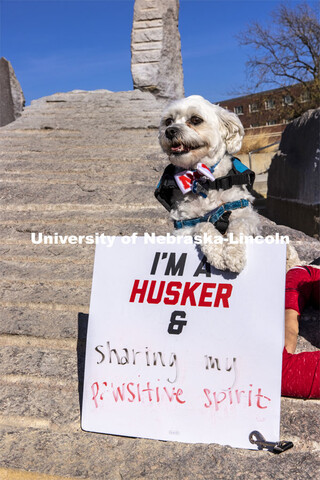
x: 75, y: 164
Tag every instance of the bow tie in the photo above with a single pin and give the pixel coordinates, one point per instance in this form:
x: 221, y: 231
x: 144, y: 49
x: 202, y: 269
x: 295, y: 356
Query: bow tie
x: 188, y: 179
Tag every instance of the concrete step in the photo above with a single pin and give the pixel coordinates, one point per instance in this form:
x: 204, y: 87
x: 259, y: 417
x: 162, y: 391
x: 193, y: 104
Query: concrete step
x: 60, y: 451
x: 84, y: 163
x: 39, y: 321
x: 38, y: 271
x: 117, y: 175
x: 21, y: 234
x: 55, y: 401
x: 12, y: 215
x: 49, y: 293
x: 50, y: 194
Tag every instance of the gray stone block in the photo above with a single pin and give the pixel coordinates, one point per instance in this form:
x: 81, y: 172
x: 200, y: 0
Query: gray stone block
x: 148, y: 74
x: 143, y: 47
x: 146, y: 56
x: 294, y: 176
x: 153, y: 34
x: 147, y: 24
x: 155, y: 27
x: 11, y: 96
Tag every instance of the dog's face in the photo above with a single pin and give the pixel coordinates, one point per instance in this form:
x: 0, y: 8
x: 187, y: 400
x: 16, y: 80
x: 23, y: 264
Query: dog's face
x: 193, y: 129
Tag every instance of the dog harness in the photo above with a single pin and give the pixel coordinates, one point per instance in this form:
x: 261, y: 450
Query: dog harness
x: 214, y: 216
x: 169, y: 194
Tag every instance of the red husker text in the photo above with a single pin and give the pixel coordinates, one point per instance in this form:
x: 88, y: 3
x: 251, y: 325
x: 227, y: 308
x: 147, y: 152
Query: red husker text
x: 195, y: 294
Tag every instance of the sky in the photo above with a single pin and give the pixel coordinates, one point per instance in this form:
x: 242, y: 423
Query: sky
x: 62, y: 45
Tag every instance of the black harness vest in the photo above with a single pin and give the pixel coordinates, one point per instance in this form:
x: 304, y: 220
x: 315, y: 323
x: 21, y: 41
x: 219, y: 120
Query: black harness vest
x: 169, y: 194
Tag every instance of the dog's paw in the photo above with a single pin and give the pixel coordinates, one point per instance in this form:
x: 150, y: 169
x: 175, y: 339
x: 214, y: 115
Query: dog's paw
x: 212, y: 249
x: 235, y: 257
x: 214, y: 257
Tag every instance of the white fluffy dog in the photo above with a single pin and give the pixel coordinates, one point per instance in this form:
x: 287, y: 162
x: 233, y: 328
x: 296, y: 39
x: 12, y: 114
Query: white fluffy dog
x: 196, y: 134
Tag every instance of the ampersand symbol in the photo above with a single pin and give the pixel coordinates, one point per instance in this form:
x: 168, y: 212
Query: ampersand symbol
x: 175, y: 326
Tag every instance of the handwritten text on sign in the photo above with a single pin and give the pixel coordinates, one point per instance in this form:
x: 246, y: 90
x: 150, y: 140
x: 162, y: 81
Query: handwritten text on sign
x: 177, y: 350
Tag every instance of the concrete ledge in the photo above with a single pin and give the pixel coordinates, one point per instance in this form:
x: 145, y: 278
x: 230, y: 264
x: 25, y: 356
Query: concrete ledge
x: 9, y: 474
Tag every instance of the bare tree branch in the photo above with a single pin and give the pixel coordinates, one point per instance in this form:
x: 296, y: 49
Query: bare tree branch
x: 287, y: 51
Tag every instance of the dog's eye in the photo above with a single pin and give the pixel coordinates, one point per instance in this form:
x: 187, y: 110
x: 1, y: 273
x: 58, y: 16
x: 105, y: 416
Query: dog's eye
x: 195, y: 120
x: 168, y: 122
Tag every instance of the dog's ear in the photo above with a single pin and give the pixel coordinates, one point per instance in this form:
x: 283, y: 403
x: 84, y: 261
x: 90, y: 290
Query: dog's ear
x: 231, y: 130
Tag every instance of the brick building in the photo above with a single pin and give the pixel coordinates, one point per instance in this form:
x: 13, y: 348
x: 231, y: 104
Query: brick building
x: 271, y: 107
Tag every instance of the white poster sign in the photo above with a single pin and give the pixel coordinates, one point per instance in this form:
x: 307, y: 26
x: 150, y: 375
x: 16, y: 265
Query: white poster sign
x: 177, y: 350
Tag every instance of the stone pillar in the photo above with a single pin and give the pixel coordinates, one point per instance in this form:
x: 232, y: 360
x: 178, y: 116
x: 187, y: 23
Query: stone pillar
x: 294, y: 176
x: 11, y: 96
x: 156, y: 63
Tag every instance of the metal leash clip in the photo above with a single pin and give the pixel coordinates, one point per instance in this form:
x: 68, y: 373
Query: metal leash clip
x: 275, y: 447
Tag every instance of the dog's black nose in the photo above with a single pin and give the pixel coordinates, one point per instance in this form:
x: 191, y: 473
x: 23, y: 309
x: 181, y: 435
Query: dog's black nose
x: 171, y: 132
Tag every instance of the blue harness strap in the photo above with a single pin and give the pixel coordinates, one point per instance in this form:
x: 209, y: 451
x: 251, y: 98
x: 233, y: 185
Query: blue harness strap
x: 212, y: 216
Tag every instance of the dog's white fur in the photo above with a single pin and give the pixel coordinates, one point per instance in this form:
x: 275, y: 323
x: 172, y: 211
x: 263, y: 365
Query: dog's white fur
x: 216, y: 138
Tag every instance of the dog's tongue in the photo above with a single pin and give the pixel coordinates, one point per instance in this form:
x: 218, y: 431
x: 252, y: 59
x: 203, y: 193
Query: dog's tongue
x: 179, y: 148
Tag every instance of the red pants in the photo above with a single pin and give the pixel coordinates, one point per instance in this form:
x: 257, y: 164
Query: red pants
x: 301, y: 374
